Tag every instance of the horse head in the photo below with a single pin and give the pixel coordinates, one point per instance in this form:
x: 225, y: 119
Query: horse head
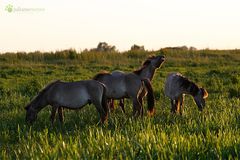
x: 200, y: 97
x: 31, y: 114
x: 156, y: 61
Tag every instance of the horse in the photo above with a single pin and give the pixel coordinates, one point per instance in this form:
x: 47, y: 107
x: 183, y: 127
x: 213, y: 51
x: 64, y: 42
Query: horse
x: 127, y: 85
x: 71, y: 95
x: 147, y: 71
x: 132, y: 85
x: 176, y: 86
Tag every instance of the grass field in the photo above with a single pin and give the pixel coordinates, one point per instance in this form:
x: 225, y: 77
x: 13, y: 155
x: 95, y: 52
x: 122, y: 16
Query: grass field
x: 211, y: 134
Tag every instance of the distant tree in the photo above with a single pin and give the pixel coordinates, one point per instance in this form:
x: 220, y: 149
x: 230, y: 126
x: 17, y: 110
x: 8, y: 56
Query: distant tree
x: 137, y: 48
x: 104, y: 47
x: 85, y: 50
x: 192, y: 48
x: 182, y: 48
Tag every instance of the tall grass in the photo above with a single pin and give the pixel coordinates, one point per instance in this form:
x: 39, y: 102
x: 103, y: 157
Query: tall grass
x: 211, y: 134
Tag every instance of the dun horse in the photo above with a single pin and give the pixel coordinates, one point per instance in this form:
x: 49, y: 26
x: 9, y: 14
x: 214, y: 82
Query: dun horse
x: 133, y: 85
x: 145, y: 72
x: 176, y: 86
x: 72, y: 95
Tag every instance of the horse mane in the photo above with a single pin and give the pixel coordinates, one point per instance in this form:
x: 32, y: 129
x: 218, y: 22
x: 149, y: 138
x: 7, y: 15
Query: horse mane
x: 144, y: 65
x: 186, y: 83
x: 99, y: 75
x: 47, y: 87
x: 139, y: 71
x: 41, y: 93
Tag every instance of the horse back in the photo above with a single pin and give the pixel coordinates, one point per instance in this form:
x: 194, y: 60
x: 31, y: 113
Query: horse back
x: 74, y: 94
x: 176, y: 85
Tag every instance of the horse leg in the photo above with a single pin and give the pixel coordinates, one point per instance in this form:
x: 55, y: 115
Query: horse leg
x: 142, y: 95
x: 60, y: 114
x: 136, y: 107
x: 177, y: 105
x: 140, y: 99
x: 181, y: 105
x: 173, y: 109
x: 99, y: 107
x: 121, y: 103
x: 53, y: 113
x: 111, y: 101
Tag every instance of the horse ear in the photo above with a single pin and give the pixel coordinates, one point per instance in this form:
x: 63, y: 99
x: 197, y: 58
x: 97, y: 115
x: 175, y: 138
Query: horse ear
x: 204, y: 92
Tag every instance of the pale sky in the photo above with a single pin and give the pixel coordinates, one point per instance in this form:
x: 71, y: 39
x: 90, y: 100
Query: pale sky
x: 155, y: 24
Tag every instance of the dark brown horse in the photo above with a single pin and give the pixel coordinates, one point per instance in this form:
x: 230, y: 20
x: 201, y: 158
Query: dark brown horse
x: 72, y: 95
x: 176, y: 86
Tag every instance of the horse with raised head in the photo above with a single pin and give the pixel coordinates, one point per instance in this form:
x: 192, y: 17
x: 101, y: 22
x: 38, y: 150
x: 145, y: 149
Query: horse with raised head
x: 133, y: 85
x: 149, y: 67
x: 176, y: 86
x: 71, y: 95
x: 147, y: 71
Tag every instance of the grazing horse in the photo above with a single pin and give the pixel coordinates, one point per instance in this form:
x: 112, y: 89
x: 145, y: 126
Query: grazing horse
x: 72, y: 95
x: 147, y: 71
x: 176, y: 86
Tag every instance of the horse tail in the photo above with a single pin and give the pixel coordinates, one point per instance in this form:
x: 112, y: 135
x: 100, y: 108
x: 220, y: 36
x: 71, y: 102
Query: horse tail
x: 150, y: 96
x: 104, y: 103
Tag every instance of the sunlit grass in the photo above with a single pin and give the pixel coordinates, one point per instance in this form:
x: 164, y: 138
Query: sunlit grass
x: 211, y: 134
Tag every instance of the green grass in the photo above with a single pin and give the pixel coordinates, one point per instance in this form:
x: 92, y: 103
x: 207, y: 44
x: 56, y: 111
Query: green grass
x: 211, y: 134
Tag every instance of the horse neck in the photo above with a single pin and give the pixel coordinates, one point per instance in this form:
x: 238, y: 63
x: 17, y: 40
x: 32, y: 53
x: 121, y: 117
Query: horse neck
x: 148, y: 72
x: 39, y: 102
x: 192, y: 89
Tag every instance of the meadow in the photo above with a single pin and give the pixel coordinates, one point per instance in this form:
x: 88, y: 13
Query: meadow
x: 211, y: 134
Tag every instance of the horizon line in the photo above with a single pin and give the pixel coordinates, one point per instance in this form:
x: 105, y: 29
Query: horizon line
x: 80, y: 50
